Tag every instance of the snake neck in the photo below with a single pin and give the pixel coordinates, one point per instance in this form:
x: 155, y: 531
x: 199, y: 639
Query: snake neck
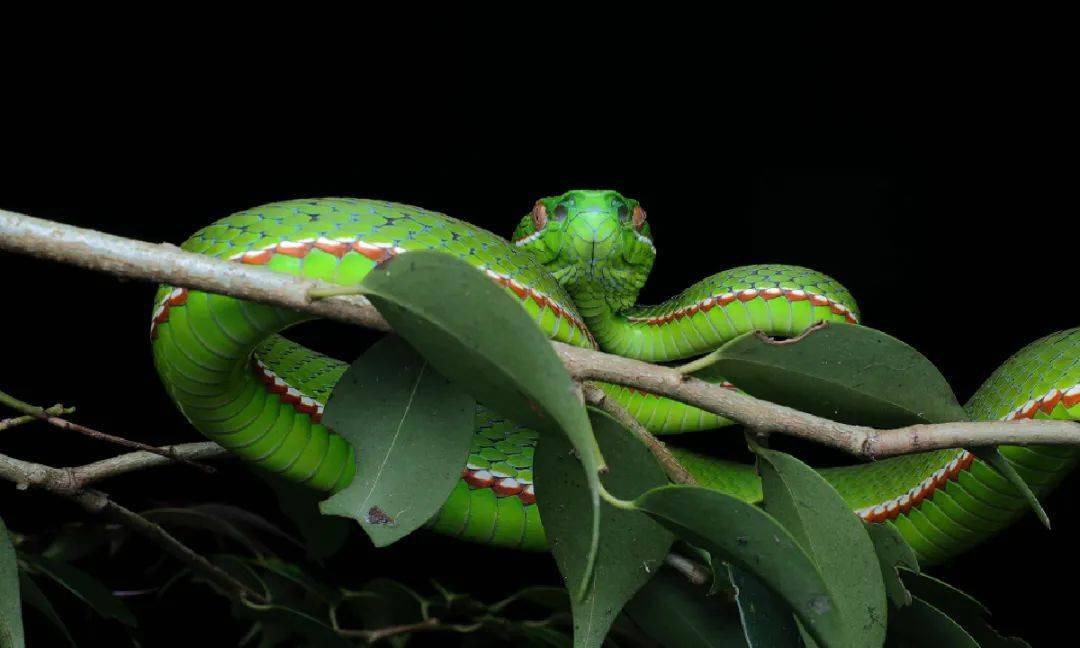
x: 612, y: 326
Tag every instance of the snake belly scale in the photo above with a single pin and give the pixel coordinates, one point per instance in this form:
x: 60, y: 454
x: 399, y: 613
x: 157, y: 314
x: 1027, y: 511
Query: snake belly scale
x: 576, y: 263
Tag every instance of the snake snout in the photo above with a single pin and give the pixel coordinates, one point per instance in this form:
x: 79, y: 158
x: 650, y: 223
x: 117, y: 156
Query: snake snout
x: 595, y: 236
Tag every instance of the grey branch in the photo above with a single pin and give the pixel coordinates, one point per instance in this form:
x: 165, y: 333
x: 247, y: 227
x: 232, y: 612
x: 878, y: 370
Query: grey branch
x: 165, y: 263
x: 65, y: 482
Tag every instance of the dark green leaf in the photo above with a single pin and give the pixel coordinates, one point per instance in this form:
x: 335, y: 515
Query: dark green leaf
x: 677, y: 614
x: 993, y: 458
x: 960, y: 607
x: 75, y: 541
x: 323, y: 535
x: 194, y: 517
x: 84, y: 586
x: 852, y: 374
x: 33, y: 597
x: 552, y: 599
x: 327, y: 594
x: 816, y: 515
x: 632, y: 546
x: 11, y: 627
x: 475, y: 334
x: 921, y: 624
x: 767, y: 620
x: 751, y: 539
x: 382, y: 603
x: 411, y: 429
x: 893, y: 552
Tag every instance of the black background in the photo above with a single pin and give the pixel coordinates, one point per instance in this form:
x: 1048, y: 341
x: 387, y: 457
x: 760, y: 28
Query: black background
x: 943, y: 206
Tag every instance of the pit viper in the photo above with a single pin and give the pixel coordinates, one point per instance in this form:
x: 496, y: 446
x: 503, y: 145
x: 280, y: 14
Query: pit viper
x: 576, y: 264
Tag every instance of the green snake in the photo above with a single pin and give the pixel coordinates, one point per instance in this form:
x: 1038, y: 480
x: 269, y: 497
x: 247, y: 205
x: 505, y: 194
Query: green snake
x: 576, y: 263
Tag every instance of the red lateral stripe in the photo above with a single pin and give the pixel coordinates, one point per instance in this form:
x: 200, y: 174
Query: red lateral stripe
x: 501, y: 486
x: 746, y: 295
x: 893, y: 508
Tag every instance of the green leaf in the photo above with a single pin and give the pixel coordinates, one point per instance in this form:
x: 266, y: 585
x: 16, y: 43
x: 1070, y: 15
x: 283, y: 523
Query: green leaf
x: 35, y: 598
x: 991, y: 456
x: 84, y: 586
x: 677, y: 614
x: 75, y: 541
x: 961, y: 608
x: 893, y: 552
x: 383, y: 603
x: 751, y: 539
x: 475, y: 334
x: 553, y: 599
x: 11, y: 627
x: 851, y: 374
x: 836, y: 539
x: 921, y: 624
x: 632, y: 546
x: 324, y: 535
x: 195, y: 517
x: 411, y: 429
x: 767, y: 620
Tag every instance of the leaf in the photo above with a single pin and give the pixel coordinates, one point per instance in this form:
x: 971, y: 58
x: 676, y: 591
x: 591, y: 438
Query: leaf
x: 84, y: 586
x: 295, y: 574
x: 767, y: 621
x: 11, y: 626
x: 475, y: 334
x: 553, y: 599
x: 751, y: 539
x: 893, y: 552
x: 836, y: 539
x: 960, y: 607
x: 993, y: 458
x: 194, y: 517
x: 35, y: 598
x: 923, y: 624
x: 411, y: 429
x: 383, y: 603
x: 678, y: 615
x: 851, y: 374
x: 632, y: 546
x: 324, y: 535
x: 76, y: 541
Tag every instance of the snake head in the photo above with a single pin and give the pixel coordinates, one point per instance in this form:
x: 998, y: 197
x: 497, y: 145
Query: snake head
x: 597, y: 243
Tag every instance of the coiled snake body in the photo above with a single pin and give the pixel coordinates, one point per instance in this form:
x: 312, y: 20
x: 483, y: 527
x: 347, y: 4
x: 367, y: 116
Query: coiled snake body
x: 576, y: 264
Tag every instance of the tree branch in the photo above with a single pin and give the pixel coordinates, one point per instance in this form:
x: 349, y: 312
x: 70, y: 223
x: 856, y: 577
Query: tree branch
x: 64, y: 482
x: 139, y: 260
x: 675, y: 471
x: 49, y: 416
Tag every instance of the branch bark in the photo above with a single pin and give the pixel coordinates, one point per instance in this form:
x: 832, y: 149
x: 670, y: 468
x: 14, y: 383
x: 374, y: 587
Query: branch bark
x: 165, y: 263
x: 65, y: 483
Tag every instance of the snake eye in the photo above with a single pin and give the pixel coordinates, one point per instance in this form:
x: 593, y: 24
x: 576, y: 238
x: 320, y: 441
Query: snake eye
x: 639, y: 217
x: 560, y: 212
x: 624, y: 215
x: 539, y: 216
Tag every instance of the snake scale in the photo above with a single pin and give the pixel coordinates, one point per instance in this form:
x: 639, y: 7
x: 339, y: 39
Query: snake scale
x: 576, y: 263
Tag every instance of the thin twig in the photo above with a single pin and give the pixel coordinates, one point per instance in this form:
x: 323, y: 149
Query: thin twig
x: 139, y: 260
x: 431, y: 624
x: 675, y: 471
x: 696, y: 573
x: 132, y: 461
x: 55, y: 410
x: 61, y: 482
x: 64, y: 424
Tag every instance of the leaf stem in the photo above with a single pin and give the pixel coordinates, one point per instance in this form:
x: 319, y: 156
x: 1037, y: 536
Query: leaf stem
x: 625, y: 505
x: 697, y: 364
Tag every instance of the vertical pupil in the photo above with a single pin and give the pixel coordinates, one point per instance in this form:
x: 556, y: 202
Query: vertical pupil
x: 624, y: 213
x: 560, y: 212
